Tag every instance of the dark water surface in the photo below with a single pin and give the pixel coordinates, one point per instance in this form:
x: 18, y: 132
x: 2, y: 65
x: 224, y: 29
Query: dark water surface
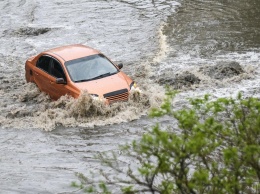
x: 205, y: 28
x: 42, y: 144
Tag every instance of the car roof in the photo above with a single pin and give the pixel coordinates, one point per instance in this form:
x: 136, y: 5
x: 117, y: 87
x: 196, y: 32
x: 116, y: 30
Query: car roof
x: 71, y: 52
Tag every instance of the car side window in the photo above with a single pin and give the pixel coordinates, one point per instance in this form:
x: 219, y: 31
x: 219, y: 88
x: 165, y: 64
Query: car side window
x: 56, y: 69
x: 44, y: 63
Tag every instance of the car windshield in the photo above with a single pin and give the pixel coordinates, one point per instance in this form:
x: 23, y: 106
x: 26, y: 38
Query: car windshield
x: 90, y: 68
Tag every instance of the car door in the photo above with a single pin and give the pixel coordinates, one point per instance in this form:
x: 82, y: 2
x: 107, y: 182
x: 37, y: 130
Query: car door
x: 56, y: 71
x: 41, y: 73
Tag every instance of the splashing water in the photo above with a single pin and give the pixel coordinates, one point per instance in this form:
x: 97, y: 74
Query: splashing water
x: 34, y: 109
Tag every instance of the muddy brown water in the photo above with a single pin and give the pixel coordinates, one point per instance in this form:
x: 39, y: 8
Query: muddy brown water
x: 44, y: 143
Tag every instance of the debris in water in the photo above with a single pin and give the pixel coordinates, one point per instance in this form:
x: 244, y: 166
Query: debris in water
x: 29, y: 31
x: 222, y: 70
x: 177, y: 81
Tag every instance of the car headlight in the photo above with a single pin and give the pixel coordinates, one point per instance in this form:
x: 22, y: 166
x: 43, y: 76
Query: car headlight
x: 94, y: 96
x: 133, y: 85
x: 134, y: 88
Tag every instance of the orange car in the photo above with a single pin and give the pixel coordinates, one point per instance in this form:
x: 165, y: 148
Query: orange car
x: 74, y: 68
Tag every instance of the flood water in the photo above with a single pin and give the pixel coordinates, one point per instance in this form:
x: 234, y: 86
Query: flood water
x: 44, y: 143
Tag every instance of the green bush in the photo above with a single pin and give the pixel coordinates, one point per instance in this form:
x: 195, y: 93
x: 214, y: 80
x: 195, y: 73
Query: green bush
x: 214, y: 148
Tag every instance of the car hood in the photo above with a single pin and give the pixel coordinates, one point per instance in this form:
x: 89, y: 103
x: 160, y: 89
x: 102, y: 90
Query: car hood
x: 105, y: 85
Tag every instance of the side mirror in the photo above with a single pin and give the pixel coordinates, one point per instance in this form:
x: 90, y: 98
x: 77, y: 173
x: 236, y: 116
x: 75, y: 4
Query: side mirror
x: 120, y: 65
x: 60, y: 81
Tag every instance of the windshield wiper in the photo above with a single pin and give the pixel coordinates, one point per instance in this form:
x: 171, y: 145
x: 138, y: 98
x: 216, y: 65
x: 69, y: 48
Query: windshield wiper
x: 104, y: 75
x: 82, y: 80
x: 97, y: 77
